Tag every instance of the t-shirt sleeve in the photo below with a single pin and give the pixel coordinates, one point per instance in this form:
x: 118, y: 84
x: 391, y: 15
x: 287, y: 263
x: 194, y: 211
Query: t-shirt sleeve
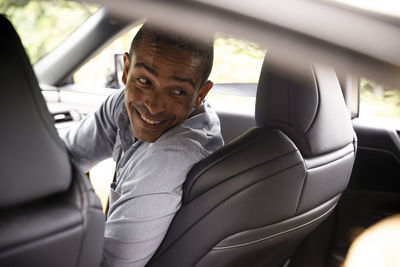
x: 144, y: 208
x: 93, y: 138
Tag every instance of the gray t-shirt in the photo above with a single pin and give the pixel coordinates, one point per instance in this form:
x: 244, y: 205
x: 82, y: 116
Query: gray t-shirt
x: 149, y: 176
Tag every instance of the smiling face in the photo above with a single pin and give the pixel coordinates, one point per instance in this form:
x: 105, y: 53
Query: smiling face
x: 163, y: 85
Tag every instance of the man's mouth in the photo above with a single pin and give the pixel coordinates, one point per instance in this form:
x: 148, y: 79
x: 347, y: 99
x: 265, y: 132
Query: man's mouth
x: 149, y: 121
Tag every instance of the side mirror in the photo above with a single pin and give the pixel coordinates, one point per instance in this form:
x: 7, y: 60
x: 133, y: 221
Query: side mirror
x: 114, y: 80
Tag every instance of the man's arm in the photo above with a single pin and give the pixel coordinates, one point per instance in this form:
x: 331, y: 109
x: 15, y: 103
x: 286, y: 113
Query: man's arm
x: 92, y: 140
x: 145, y: 205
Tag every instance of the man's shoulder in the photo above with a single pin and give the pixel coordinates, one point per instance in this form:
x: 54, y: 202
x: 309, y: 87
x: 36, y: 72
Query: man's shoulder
x: 113, y: 106
x: 116, y: 99
x: 200, y: 133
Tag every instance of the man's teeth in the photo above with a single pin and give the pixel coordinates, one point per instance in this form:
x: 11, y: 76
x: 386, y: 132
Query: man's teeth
x: 152, y: 122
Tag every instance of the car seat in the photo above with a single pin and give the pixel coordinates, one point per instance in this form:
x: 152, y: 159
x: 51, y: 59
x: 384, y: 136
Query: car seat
x: 49, y: 214
x: 254, y: 200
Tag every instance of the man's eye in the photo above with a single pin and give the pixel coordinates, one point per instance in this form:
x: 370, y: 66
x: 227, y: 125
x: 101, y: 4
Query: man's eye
x: 144, y: 81
x: 178, y: 92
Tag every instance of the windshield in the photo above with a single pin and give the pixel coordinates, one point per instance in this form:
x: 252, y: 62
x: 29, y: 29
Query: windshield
x: 44, y: 24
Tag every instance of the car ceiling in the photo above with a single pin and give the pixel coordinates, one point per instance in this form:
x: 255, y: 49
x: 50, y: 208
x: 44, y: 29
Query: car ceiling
x: 353, y: 41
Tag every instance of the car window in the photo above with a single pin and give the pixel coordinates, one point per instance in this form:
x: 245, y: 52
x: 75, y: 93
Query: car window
x: 99, y: 71
x: 42, y: 25
x: 378, y: 100
x: 236, y: 60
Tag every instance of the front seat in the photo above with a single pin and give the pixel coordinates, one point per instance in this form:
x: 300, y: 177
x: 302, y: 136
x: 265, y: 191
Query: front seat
x: 253, y: 201
x: 49, y: 214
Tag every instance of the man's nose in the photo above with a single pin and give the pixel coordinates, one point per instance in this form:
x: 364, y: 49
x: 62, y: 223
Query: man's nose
x: 155, y: 103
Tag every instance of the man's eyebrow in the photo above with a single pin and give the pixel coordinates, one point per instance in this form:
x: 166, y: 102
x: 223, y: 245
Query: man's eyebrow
x: 152, y: 71
x: 183, y: 80
x: 155, y: 73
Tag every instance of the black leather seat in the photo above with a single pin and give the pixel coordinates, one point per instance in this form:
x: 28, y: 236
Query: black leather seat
x: 254, y: 200
x: 49, y: 215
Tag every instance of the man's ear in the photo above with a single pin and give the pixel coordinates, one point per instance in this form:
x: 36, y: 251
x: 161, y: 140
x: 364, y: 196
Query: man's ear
x: 203, y: 91
x: 126, y: 68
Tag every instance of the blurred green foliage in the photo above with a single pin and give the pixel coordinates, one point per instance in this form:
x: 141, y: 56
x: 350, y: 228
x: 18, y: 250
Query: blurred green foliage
x: 43, y: 24
x: 378, y: 100
x: 236, y: 60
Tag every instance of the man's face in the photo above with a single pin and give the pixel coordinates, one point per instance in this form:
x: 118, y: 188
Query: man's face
x: 163, y: 85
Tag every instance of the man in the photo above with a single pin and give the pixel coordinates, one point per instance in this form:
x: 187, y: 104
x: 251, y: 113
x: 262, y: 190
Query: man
x: 156, y: 130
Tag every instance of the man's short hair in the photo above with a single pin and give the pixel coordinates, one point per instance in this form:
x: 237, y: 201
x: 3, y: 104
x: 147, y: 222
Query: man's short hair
x: 204, y: 50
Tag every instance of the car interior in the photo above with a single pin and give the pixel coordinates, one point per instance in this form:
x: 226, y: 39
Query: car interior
x: 298, y: 179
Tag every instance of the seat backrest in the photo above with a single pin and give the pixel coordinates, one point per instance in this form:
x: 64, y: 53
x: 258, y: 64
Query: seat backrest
x: 50, y: 215
x: 252, y: 202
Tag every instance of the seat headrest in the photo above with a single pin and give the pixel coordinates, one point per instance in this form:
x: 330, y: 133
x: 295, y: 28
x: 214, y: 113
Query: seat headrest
x: 304, y: 101
x: 34, y: 161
